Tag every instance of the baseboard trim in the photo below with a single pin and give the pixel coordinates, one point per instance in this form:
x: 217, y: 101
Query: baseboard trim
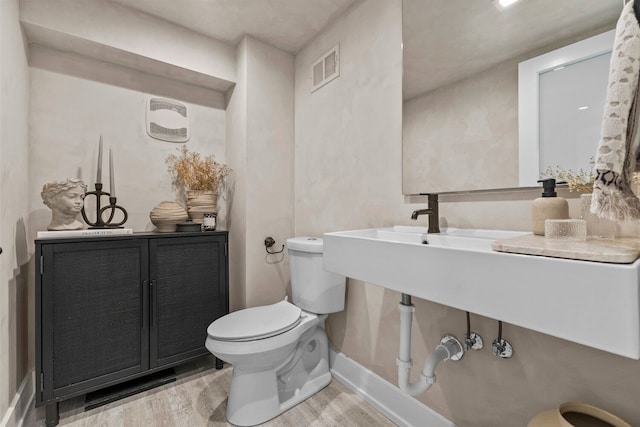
x: 21, y: 403
x: 400, y: 408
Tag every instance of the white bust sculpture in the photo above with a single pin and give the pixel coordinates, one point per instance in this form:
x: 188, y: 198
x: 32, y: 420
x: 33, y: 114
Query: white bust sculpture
x: 66, y: 199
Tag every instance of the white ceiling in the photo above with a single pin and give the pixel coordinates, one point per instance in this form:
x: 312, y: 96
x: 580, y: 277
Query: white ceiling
x: 444, y: 41
x: 285, y: 24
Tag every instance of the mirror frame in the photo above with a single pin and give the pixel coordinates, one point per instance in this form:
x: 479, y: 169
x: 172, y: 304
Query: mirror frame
x: 528, y: 97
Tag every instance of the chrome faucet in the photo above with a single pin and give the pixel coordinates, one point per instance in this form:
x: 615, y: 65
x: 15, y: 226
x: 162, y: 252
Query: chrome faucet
x: 432, y: 212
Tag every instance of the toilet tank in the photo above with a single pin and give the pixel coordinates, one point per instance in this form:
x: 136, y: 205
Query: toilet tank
x: 313, y: 289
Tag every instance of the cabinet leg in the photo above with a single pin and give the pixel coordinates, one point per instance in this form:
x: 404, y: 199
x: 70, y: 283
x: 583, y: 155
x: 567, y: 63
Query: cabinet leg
x: 219, y: 364
x: 52, y: 414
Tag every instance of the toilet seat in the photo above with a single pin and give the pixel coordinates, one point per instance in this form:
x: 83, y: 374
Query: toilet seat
x: 255, y: 323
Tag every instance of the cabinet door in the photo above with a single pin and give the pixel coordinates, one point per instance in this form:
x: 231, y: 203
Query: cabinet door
x: 188, y: 290
x: 94, y: 314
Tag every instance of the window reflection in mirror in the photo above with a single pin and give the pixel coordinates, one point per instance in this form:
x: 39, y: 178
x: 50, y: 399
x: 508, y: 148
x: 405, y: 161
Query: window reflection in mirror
x: 561, y: 100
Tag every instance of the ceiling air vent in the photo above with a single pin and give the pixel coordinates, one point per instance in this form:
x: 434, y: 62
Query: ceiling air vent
x: 167, y: 120
x: 325, y: 69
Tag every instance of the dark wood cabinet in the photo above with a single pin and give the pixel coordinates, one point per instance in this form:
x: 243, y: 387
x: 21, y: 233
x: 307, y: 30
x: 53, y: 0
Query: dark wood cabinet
x: 180, y: 312
x: 111, y: 309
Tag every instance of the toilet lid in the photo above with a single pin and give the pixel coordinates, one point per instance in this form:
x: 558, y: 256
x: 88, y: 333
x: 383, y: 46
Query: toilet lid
x: 255, y: 322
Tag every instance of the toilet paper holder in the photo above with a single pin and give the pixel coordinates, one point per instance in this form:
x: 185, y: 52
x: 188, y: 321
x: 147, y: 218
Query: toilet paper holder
x: 269, y: 242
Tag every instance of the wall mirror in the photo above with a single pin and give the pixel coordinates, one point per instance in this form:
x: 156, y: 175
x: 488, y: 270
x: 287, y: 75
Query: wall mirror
x: 460, y: 84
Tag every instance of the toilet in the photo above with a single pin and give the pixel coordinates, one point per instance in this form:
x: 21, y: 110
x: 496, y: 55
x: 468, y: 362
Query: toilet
x: 280, y: 352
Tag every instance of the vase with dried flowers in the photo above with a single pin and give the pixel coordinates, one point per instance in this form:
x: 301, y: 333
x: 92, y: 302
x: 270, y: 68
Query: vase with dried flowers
x: 582, y: 181
x: 197, y: 180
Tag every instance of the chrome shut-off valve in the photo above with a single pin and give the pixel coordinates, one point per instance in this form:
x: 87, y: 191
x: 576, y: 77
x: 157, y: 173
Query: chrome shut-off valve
x: 502, y: 348
x: 473, y: 341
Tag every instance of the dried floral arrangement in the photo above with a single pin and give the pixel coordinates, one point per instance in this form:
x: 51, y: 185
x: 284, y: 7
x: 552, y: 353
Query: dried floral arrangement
x: 191, y: 171
x: 580, y: 181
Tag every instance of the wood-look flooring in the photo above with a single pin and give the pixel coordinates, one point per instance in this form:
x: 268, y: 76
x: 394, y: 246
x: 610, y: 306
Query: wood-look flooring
x: 199, y: 398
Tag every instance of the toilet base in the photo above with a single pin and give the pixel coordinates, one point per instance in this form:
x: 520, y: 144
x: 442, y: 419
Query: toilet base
x: 256, y: 397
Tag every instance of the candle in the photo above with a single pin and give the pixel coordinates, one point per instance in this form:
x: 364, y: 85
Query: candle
x: 112, y: 187
x: 99, y: 174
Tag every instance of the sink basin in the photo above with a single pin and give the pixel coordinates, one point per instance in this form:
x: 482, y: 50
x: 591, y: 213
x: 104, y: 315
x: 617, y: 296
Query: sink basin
x: 458, y: 238
x: 595, y: 304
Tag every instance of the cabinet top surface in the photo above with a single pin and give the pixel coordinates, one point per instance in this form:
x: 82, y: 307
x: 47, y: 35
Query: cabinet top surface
x: 135, y: 235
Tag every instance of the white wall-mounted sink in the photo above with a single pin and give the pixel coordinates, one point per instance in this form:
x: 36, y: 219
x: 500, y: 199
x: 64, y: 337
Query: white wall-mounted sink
x: 595, y: 304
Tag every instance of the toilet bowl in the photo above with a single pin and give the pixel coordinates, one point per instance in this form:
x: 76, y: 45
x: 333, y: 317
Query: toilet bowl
x: 280, y: 352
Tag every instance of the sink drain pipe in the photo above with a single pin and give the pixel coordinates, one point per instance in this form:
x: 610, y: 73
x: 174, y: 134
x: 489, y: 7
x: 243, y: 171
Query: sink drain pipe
x: 449, y: 348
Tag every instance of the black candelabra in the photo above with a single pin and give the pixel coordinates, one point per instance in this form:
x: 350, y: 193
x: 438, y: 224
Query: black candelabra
x: 112, y: 207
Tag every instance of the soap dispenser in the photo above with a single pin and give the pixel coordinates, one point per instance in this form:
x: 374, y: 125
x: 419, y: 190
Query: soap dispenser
x: 549, y: 206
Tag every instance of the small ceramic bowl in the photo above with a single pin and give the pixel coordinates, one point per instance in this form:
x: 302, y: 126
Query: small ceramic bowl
x: 188, y: 226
